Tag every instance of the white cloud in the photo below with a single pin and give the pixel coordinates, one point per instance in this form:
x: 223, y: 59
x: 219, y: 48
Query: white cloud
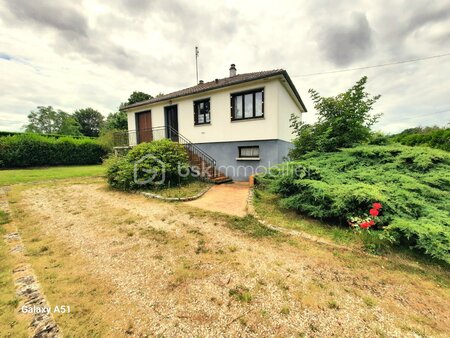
x: 94, y: 53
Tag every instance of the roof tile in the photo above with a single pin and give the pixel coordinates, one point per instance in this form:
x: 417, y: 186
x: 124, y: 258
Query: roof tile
x: 215, y: 84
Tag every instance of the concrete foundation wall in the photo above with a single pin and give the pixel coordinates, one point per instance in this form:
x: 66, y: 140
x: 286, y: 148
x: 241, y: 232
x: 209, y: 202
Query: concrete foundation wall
x: 272, y: 152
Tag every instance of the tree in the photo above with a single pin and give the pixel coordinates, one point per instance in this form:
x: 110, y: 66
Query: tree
x: 344, y: 121
x: 90, y: 121
x: 138, y: 97
x: 70, y: 126
x: 116, y: 121
x: 46, y: 120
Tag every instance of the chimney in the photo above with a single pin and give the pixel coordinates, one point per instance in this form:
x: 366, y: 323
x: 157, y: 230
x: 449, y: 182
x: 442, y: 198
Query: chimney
x: 233, y: 70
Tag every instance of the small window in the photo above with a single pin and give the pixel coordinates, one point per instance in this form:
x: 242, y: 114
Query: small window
x: 247, y: 105
x: 202, y: 113
x: 249, y: 152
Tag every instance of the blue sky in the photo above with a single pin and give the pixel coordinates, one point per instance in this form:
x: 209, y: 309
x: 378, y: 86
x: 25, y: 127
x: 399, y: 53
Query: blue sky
x: 75, y: 54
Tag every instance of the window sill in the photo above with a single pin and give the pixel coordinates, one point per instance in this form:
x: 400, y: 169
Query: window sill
x: 248, y: 119
x: 248, y: 159
x: 202, y: 124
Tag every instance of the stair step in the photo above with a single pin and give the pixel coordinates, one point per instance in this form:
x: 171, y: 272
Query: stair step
x: 220, y: 179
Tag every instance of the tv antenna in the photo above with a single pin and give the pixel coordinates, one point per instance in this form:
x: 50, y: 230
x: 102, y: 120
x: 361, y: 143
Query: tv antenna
x: 196, y: 62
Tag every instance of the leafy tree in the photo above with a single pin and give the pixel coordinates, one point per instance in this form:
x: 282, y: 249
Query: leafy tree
x: 344, y: 121
x: 138, y: 97
x: 70, y: 126
x: 90, y: 121
x: 116, y: 121
x: 46, y: 120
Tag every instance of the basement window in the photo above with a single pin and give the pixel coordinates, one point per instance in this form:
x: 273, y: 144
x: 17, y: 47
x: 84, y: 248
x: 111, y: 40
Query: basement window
x: 202, y: 112
x: 249, y: 153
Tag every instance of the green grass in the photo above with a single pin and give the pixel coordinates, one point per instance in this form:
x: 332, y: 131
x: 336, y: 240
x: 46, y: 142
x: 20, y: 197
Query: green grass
x: 10, y: 325
x: 241, y: 293
x: 252, y: 227
x: 268, y: 208
x: 182, y: 191
x: 4, y: 217
x: 248, y: 225
x: 14, y: 176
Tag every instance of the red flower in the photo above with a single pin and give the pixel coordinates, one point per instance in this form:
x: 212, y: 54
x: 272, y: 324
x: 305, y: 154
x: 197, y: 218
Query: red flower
x: 374, y: 212
x: 371, y: 222
x: 365, y: 225
x: 377, y: 206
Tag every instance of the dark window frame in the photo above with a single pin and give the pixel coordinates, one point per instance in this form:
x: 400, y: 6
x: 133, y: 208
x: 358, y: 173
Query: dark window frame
x: 248, y: 147
x: 243, y: 93
x: 196, y: 112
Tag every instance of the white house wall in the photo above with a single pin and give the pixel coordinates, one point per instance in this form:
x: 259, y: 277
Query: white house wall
x: 278, y: 106
x: 286, y: 106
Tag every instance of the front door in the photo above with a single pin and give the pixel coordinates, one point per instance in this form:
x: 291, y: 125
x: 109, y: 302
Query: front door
x: 144, y: 127
x: 171, y: 118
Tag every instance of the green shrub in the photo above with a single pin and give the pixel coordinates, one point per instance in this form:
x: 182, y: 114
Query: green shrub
x: 27, y: 150
x: 412, y: 184
x: 343, y: 121
x: 433, y: 137
x: 379, y: 139
x: 155, y: 162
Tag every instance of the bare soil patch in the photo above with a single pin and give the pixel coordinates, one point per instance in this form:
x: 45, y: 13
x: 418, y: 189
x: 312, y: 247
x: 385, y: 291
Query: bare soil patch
x: 229, y: 199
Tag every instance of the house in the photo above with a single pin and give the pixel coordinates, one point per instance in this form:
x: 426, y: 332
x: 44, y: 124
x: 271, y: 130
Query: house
x: 239, y: 124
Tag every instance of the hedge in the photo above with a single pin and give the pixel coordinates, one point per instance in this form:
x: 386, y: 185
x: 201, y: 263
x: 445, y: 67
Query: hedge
x: 438, y: 138
x: 28, y: 150
x: 11, y: 133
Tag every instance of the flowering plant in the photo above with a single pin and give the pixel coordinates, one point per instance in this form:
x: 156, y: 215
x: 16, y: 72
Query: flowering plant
x: 368, y: 221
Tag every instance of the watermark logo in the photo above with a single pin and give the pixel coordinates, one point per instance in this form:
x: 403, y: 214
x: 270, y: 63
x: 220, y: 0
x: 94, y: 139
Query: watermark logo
x: 149, y: 170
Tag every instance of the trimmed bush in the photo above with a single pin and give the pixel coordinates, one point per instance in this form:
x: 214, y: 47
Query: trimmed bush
x: 157, y: 162
x: 412, y: 184
x: 432, y: 137
x: 28, y: 150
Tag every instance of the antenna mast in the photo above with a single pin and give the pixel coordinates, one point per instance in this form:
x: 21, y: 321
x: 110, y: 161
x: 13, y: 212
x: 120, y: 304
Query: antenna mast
x: 196, y: 62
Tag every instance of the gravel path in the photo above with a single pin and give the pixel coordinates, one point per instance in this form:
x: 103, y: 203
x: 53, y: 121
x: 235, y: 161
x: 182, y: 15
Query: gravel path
x: 176, y: 272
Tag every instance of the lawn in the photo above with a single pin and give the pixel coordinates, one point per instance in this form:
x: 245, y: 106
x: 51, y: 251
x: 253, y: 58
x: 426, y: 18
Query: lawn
x: 135, y: 268
x: 267, y: 206
x: 14, y: 176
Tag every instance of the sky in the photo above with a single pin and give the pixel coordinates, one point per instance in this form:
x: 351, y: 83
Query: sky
x: 77, y: 54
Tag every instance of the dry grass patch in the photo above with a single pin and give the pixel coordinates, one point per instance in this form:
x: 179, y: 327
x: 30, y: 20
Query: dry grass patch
x: 184, y: 271
x: 11, y: 324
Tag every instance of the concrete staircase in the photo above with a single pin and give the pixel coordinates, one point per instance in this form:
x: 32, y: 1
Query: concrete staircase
x: 208, y: 169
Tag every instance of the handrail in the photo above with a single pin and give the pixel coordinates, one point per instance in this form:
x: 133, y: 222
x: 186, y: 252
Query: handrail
x: 192, y: 144
x: 195, y: 150
x: 171, y: 133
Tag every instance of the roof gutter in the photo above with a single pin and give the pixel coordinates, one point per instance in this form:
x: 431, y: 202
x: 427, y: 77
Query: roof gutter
x: 297, y: 95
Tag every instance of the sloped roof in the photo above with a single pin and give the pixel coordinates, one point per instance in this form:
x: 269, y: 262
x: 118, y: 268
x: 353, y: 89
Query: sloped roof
x: 220, y: 83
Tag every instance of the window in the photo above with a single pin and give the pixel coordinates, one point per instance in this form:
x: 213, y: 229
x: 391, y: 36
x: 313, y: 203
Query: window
x: 247, y: 105
x: 249, y: 152
x: 202, y: 113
